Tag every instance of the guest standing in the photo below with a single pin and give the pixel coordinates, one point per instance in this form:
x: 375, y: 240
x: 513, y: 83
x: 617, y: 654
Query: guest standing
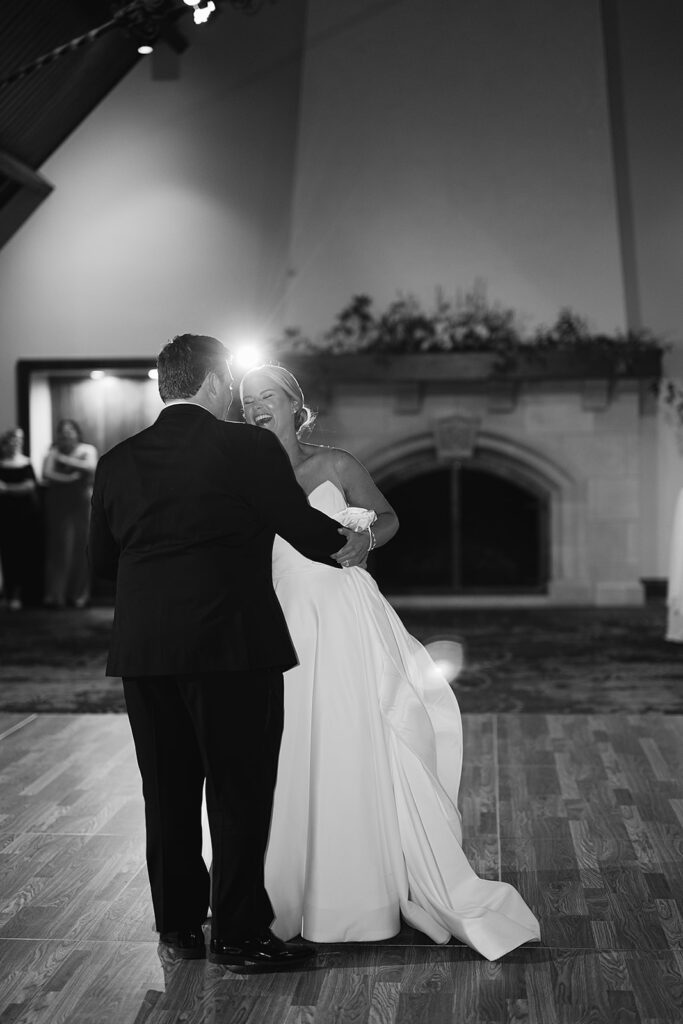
x: 68, y: 472
x: 18, y: 517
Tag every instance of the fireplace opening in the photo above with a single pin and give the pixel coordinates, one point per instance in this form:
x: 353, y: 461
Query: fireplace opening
x: 465, y: 529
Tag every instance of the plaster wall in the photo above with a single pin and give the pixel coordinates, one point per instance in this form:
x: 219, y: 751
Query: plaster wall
x: 443, y: 142
x: 650, y: 35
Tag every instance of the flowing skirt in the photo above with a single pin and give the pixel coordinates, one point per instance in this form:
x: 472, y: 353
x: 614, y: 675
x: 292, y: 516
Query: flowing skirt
x: 366, y: 827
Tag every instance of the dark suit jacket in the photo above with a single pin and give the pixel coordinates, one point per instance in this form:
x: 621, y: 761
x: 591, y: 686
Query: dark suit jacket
x: 183, y: 516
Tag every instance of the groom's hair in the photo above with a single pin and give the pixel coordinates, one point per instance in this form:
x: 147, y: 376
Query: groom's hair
x: 184, y: 363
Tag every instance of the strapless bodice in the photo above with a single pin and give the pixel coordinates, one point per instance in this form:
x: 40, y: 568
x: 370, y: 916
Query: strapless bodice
x: 327, y: 498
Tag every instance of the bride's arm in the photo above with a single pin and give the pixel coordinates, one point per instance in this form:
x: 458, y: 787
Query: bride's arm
x: 362, y: 491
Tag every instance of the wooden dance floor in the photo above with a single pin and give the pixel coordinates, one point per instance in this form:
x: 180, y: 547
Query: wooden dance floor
x: 584, y: 813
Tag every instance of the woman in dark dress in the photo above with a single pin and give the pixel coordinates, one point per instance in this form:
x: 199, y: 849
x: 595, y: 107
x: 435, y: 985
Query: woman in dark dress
x: 68, y: 473
x: 19, y: 524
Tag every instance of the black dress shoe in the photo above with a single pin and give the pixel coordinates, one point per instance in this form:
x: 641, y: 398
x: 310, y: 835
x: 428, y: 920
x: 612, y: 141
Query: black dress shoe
x: 264, y: 951
x: 188, y: 945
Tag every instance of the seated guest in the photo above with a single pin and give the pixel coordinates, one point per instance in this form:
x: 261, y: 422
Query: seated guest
x: 68, y: 472
x: 18, y: 517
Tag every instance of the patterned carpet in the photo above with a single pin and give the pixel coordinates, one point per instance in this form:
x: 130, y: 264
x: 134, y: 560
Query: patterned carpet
x: 547, y: 661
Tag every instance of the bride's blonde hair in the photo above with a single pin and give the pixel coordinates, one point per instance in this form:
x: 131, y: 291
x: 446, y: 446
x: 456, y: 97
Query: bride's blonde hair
x: 304, y: 417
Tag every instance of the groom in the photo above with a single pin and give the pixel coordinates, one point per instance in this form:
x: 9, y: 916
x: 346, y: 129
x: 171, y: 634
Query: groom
x: 183, y: 516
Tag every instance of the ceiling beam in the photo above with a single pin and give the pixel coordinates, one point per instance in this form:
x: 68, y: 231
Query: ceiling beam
x: 21, y: 174
x: 27, y: 188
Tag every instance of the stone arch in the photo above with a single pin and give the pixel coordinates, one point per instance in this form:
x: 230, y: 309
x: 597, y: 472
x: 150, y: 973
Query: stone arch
x: 527, y: 466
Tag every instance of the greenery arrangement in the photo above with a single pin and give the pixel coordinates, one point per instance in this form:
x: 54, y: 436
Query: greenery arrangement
x: 670, y: 394
x: 468, y: 323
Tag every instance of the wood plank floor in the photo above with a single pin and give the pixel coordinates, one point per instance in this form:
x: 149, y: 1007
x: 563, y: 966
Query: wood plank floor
x: 584, y: 813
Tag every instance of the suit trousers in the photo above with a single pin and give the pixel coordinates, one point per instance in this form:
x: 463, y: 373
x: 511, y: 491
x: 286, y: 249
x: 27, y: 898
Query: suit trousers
x: 224, y: 728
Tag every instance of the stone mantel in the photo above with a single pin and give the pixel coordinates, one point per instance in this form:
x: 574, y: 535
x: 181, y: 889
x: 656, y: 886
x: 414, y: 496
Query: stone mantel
x: 408, y: 376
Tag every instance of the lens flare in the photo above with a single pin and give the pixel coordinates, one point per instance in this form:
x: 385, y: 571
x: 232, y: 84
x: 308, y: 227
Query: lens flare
x: 246, y: 356
x: 203, y: 11
x: 448, y: 656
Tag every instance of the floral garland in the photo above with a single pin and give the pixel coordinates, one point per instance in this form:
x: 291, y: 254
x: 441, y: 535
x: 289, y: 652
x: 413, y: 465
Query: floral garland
x: 468, y: 323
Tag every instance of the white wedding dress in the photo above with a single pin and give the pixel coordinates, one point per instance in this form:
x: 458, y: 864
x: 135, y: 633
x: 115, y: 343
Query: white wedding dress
x: 366, y: 827
x: 365, y: 822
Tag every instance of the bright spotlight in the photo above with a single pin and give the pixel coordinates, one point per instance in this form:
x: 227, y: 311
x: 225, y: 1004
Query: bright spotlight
x: 191, y: 3
x: 97, y: 374
x: 144, y: 49
x: 153, y: 374
x: 448, y: 657
x: 247, y: 356
x: 203, y: 11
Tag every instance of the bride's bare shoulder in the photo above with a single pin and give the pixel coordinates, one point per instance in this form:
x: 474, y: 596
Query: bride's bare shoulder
x: 325, y: 455
x: 322, y: 453
x: 323, y: 462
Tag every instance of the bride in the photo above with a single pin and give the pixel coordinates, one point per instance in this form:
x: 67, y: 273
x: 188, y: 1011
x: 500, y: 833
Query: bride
x: 365, y: 826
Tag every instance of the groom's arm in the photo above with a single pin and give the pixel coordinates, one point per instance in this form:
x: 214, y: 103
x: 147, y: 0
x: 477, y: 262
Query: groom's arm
x: 281, y: 501
x: 103, y: 551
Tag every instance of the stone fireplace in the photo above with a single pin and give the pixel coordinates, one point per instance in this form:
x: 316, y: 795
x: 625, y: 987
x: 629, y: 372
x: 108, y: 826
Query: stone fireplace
x: 487, y: 526
x: 536, y: 488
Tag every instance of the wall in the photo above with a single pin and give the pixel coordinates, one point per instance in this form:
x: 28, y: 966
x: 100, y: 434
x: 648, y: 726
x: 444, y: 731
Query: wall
x: 651, y: 37
x: 444, y: 141
x: 171, y: 207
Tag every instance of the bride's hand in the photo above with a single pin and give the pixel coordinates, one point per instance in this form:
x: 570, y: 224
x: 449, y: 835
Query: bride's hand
x: 355, y: 551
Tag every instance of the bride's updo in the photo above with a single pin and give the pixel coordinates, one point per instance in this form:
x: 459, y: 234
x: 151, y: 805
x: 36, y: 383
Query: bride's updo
x: 304, y: 418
